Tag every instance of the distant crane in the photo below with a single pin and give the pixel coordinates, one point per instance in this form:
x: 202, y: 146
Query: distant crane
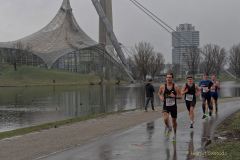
x: 112, y: 36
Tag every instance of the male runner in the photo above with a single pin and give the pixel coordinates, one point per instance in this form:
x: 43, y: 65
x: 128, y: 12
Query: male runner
x: 190, y: 90
x: 205, y: 85
x: 168, y: 93
x: 214, y: 91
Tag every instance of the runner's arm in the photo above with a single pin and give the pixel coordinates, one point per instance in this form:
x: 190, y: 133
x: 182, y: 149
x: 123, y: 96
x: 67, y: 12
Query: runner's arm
x: 184, y: 90
x: 160, y: 93
x: 179, y: 95
x: 218, y: 85
x: 198, y: 90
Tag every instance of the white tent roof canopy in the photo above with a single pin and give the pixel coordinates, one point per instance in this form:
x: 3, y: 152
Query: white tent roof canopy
x: 61, y: 36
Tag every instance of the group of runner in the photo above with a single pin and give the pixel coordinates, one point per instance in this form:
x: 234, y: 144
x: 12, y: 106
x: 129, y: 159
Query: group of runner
x: 170, y: 92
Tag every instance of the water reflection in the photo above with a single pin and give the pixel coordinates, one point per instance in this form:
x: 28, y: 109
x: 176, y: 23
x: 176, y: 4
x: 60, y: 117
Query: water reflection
x: 105, y: 152
x: 167, y: 149
x: 24, y: 106
x: 190, y: 154
x: 174, y: 151
x: 150, y: 130
x: 207, y: 128
x: 230, y: 89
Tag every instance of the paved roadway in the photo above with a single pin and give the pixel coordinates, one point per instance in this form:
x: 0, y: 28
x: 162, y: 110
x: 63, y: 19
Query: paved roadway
x: 148, y: 141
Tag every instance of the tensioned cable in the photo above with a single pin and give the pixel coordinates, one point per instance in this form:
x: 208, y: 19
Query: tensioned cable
x: 161, y: 23
x: 156, y: 18
x: 152, y: 17
x: 126, y: 51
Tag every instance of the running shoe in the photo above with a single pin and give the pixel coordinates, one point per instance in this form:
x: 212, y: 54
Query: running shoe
x: 210, y: 113
x: 204, y: 116
x: 191, y: 125
x: 174, y: 138
x: 168, y: 131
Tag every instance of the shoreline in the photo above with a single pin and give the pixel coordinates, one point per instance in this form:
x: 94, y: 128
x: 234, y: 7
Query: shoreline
x: 111, y: 82
x: 54, y: 124
x: 44, y: 142
x: 70, y: 121
x: 37, y: 144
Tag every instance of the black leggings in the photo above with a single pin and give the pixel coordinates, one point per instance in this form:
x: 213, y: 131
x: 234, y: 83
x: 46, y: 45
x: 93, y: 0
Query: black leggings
x: 208, y: 98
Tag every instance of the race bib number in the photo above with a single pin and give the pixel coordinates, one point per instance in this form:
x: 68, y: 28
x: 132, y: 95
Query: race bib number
x: 170, y: 101
x: 205, y: 89
x: 189, y: 97
x: 213, y: 90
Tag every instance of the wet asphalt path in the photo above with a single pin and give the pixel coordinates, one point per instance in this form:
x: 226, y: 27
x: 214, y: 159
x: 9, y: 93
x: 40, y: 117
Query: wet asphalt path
x: 148, y: 141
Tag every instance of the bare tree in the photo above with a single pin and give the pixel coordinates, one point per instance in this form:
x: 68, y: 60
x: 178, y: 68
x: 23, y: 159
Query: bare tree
x: 133, y: 68
x: 17, y: 53
x: 175, y: 69
x: 207, y: 63
x: 156, y: 64
x: 214, y: 58
x: 220, y: 60
x: 192, y: 58
x: 234, y: 60
x: 142, y: 54
x: 20, y: 54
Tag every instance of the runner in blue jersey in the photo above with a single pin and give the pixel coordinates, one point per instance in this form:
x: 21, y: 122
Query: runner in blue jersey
x: 205, y: 86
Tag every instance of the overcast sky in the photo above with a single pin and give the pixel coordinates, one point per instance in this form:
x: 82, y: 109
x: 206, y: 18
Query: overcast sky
x: 217, y: 20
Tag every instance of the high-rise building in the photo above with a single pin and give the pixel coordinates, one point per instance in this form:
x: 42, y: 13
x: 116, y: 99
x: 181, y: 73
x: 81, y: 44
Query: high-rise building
x: 184, y: 41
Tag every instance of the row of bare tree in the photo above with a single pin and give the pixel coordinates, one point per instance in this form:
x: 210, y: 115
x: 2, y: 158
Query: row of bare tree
x: 209, y: 59
x: 212, y: 59
x: 146, y: 61
x: 234, y: 60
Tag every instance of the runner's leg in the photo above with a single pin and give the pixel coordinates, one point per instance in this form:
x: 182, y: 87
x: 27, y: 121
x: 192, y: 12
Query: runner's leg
x: 216, y: 104
x: 174, y: 122
x: 166, y: 119
x: 204, y: 106
x: 191, y: 116
x: 209, y: 105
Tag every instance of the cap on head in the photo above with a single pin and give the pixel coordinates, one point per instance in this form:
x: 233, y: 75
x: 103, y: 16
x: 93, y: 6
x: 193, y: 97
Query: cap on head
x: 189, y: 76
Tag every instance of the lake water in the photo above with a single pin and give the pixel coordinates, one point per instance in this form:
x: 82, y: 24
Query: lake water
x: 26, y: 106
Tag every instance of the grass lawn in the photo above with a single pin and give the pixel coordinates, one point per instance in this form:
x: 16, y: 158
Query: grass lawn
x: 230, y: 147
x: 30, y: 76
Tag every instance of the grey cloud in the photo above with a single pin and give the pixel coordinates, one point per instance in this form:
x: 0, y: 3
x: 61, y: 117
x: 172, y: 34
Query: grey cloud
x: 215, y: 19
